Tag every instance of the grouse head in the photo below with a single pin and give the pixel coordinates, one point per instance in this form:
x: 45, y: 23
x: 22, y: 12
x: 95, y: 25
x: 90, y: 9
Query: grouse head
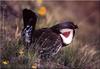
x: 66, y: 30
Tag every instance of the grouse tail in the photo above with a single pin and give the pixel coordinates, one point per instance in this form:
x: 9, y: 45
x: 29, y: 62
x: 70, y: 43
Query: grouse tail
x: 29, y: 20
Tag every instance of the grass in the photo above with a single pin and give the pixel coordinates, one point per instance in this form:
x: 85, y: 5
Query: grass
x: 85, y: 57
x: 82, y: 53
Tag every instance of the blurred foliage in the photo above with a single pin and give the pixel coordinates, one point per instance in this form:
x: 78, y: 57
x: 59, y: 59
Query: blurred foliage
x: 82, y: 53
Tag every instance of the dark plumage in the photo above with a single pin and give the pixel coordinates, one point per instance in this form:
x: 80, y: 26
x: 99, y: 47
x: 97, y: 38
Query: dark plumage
x: 46, y: 41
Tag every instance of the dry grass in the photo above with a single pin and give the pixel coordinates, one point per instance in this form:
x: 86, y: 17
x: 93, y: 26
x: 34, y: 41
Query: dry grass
x: 85, y: 57
x: 82, y: 53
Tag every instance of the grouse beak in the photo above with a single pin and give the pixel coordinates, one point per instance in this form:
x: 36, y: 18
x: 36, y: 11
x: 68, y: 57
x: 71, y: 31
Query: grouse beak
x: 76, y: 27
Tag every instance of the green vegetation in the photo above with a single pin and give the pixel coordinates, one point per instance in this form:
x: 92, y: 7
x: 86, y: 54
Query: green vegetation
x: 82, y: 53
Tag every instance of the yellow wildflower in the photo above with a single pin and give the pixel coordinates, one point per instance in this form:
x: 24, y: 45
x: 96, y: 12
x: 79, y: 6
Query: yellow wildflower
x: 5, y: 62
x: 34, y: 66
x: 39, y: 1
x: 42, y: 11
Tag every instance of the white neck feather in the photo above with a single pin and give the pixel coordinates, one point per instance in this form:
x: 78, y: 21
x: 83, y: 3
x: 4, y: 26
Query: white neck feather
x: 67, y: 40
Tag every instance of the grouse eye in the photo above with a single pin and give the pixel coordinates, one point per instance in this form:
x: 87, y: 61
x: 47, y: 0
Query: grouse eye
x: 66, y: 34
